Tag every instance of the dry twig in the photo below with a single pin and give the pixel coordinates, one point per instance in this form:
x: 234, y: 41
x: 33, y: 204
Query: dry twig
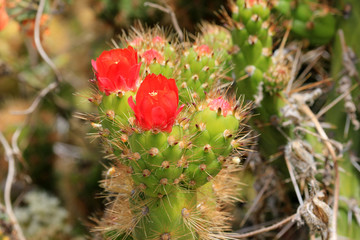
x: 293, y: 180
x: 262, y: 230
x: 168, y: 10
x: 38, y: 44
x: 306, y: 110
x: 46, y: 58
x: 9, y: 155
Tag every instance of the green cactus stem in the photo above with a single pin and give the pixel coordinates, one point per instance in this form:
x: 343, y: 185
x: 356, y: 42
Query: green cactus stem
x: 349, y: 178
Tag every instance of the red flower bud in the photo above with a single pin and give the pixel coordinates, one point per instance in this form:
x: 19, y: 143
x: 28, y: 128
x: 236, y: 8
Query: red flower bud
x: 4, y: 17
x: 117, y: 70
x: 136, y: 42
x: 221, y: 103
x: 157, y: 102
x: 158, y: 40
x: 152, y: 54
x: 203, y: 50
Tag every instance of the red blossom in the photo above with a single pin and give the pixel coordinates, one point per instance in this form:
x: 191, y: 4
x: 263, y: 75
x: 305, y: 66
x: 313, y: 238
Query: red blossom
x: 220, y: 103
x: 4, y: 17
x: 152, y: 54
x: 250, y: 3
x: 117, y: 70
x: 157, y: 102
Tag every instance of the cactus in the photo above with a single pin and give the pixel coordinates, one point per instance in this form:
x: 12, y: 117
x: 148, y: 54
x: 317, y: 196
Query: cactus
x: 255, y: 70
x: 166, y: 157
x: 345, y: 46
x: 174, y: 131
x: 311, y: 20
x: 252, y: 39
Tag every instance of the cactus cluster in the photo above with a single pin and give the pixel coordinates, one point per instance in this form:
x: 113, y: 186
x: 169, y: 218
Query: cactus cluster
x: 171, y: 162
x: 281, y: 109
x: 175, y: 134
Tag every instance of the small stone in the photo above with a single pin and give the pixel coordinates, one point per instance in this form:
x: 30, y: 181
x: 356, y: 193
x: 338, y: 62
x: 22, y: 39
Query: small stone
x: 236, y: 160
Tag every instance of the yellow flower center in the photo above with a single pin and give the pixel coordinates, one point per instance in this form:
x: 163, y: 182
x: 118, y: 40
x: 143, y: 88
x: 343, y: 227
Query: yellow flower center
x: 153, y: 93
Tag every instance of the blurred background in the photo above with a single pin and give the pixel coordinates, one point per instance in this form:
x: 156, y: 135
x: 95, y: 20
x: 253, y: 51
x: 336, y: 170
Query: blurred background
x: 59, y: 165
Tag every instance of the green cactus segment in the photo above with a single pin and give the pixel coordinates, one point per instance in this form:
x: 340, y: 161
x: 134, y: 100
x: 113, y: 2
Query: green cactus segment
x: 115, y: 110
x: 213, y: 134
x: 283, y: 7
x: 310, y: 20
x: 164, y: 67
x: 156, y: 175
x: 199, y: 67
x: 166, y: 217
x: 252, y: 37
x: 155, y: 167
x: 218, y: 39
x: 317, y: 25
x: 349, y: 176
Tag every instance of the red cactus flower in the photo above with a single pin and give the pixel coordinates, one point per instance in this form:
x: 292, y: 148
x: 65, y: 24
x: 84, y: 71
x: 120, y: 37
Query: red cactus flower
x: 157, y: 102
x: 117, y: 70
x: 4, y: 17
x: 152, y: 54
x: 220, y: 103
